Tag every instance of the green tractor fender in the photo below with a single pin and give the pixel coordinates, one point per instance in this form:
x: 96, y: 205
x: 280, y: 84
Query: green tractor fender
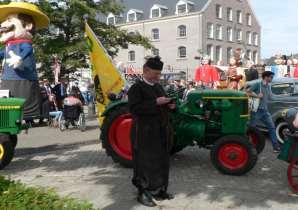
x: 114, y: 105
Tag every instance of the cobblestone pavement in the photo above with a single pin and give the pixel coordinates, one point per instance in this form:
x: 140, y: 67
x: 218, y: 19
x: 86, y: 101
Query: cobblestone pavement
x: 75, y: 164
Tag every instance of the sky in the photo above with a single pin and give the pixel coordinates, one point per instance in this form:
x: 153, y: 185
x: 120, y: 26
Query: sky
x: 279, y: 22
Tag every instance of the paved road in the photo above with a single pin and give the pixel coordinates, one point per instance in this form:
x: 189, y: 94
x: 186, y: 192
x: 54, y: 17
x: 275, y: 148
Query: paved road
x: 74, y: 164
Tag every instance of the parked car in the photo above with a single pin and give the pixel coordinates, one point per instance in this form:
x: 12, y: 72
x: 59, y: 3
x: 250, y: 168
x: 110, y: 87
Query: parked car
x: 284, y: 96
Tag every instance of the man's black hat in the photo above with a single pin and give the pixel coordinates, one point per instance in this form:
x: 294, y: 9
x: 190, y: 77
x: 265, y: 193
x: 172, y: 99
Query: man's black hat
x: 267, y: 74
x: 154, y: 63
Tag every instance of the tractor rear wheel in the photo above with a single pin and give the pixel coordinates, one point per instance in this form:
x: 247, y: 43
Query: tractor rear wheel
x: 6, y: 150
x: 115, y: 135
x: 233, y: 155
x: 257, y: 139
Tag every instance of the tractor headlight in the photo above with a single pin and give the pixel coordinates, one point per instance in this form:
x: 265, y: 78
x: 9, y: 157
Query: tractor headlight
x: 200, y: 104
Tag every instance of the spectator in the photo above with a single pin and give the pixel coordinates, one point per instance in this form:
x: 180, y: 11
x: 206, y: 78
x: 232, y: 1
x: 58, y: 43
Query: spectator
x: 73, y: 99
x: 190, y: 87
x: 54, y: 111
x: 60, y: 92
x: 251, y: 73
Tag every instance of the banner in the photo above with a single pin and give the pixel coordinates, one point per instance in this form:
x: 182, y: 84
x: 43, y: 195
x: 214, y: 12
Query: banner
x: 105, y: 75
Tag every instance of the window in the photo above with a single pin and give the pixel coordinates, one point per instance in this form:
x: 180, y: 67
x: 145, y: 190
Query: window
x: 248, y: 54
x: 218, y: 54
x: 182, y: 52
x: 155, y: 34
x: 111, y: 19
x: 255, y: 57
x: 239, y: 35
x: 249, y: 37
x: 229, y: 54
x: 182, y: 31
x: 229, y: 14
x: 255, y: 39
x: 218, y: 10
x: 155, y: 52
x: 210, y: 30
x: 134, y: 15
x: 230, y: 34
x: 239, y: 16
x: 155, y: 13
x: 181, y: 9
x: 248, y: 19
x: 210, y: 51
x: 131, y: 55
x: 218, y: 32
x: 158, y: 11
x: 131, y: 33
x: 131, y: 17
x: 184, y: 6
x: 282, y: 89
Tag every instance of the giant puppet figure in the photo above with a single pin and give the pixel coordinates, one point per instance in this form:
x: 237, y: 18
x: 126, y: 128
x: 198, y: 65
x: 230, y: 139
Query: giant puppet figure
x: 19, y: 21
x: 206, y: 74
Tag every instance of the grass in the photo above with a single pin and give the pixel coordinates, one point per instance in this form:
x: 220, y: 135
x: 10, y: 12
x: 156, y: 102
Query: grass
x: 15, y: 195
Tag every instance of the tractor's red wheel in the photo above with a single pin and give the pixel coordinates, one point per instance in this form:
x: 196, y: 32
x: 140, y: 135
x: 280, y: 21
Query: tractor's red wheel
x: 257, y: 139
x: 233, y: 155
x: 119, y: 136
x: 293, y: 175
x: 115, y: 135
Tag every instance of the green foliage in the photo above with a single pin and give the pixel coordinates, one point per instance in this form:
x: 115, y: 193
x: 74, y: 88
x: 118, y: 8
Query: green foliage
x: 65, y: 38
x: 14, y: 195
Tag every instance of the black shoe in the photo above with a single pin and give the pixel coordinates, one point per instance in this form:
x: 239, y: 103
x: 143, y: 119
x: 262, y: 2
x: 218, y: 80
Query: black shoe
x: 163, y: 195
x: 146, y: 200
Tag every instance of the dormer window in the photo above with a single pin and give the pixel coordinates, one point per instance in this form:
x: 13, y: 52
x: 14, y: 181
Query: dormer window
x: 184, y: 6
x: 134, y: 15
x: 158, y: 11
x: 111, y: 19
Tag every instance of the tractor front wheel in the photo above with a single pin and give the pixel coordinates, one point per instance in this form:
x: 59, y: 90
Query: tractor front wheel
x: 115, y: 135
x: 6, y: 150
x: 233, y: 155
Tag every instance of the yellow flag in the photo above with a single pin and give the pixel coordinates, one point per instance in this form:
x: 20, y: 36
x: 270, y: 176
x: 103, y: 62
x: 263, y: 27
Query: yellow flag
x: 105, y: 75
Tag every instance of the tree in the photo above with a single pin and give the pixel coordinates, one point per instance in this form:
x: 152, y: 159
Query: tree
x: 65, y: 36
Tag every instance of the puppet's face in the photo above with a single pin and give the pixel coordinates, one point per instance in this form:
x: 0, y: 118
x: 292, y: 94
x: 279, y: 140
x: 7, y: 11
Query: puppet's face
x: 232, y: 61
x: 14, y: 28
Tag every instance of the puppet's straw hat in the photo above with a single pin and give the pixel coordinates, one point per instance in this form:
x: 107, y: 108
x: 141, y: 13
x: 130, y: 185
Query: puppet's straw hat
x: 41, y: 20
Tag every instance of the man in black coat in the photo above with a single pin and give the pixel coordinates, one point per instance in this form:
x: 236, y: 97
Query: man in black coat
x: 60, y: 93
x: 150, y: 134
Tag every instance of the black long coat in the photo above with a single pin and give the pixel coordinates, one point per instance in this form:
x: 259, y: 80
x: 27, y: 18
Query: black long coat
x: 151, y: 137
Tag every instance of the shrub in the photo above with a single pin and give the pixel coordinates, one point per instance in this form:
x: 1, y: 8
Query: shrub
x: 15, y: 195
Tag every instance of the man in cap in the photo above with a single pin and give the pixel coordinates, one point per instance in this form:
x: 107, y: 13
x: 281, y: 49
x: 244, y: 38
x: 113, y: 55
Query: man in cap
x: 261, y: 89
x: 150, y: 134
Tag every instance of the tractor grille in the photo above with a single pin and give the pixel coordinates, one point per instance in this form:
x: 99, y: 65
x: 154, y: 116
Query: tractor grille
x: 4, y: 118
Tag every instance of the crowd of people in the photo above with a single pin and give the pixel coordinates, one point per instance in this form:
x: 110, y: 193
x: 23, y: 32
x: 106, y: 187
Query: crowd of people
x: 55, y: 96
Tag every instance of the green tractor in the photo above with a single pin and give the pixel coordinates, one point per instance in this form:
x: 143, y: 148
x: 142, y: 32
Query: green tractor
x: 213, y: 119
x: 11, y: 113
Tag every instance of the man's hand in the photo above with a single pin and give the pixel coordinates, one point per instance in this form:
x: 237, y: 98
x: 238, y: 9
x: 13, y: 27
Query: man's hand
x: 260, y: 95
x: 163, y: 100
x: 172, y: 106
x: 14, y: 60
